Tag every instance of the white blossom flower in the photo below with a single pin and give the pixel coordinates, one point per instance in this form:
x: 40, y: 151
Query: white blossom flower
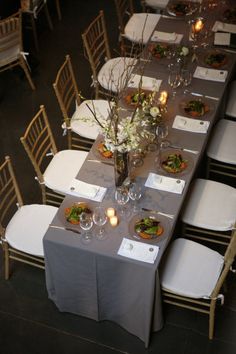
x: 154, y: 111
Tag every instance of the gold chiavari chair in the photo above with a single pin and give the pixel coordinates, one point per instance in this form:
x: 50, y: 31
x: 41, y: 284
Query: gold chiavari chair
x: 22, y: 227
x: 82, y: 129
x: 109, y: 75
x: 11, y: 47
x: 192, y: 276
x: 55, y: 175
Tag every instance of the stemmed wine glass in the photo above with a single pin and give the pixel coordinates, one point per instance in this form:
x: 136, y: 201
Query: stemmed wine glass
x: 86, y: 223
x: 174, y: 79
x: 161, y: 133
x: 122, y: 198
x: 135, y: 193
x: 100, y: 219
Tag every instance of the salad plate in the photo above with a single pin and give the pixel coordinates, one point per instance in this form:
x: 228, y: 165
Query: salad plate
x: 72, y: 212
x: 148, y: 226
x: 229, y: 15
x: 102, y: 152
x: 216, y: 59
x: 175, y: 162
x: 134, y: 97
x: 181, y: 8
x: 195, y: 107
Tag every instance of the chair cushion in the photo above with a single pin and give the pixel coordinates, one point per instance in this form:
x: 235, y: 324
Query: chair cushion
x: 140, y: 27
x: 113, y: 74
x: 89, y: 129
x: 231, y: 101
x: 210, y: 205
x: 222, y: 146
x: 157, y: 4
x: 191, y: 269
x: 28, y: 226
x: 64, y: 166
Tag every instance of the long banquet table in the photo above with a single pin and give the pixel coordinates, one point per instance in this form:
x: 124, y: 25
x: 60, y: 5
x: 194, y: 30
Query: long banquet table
x: 91, y: 279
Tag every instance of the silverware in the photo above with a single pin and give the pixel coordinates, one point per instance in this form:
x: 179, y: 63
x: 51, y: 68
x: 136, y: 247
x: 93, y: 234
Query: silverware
x: 171, y: 216
x: 103, y: 162
x: 65, y: 228
x: 206, y: 96
x: 184, y: 149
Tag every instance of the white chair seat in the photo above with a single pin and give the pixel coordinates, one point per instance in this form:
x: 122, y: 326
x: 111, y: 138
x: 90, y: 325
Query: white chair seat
x: 222, y: 146
x: 211, y: 205
x: 89, y: 129
x: 140, y: 27
x: 157, y: 4
x: 231, y: 101
x: 191, y: 269
x: 63, y: 168
x: 113, y: 75
x: 28, y: 226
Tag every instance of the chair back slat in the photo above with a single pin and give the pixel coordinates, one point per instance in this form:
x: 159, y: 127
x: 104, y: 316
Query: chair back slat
x: 38, y: 141
x: 124, y: 10
x: 9, y: 193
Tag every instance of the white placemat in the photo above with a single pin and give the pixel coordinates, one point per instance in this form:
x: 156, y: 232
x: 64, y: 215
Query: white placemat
x: 85, y: 190
x: 148, y: 83
x: 190, y: 124
x: 138, y: 250
x: 163, y: 183
x: 222, y: 38
x: 166, y: 37
x: 210, y: 74
x: 224, y: 27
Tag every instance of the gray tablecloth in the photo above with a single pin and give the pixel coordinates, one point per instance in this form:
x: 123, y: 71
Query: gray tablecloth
x: 91, y: 279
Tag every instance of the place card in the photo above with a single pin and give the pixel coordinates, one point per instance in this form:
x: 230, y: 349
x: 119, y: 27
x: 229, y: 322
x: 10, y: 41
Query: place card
x: 139, y: 251
x: 210, y: 74
x: 163, y: 183
x: 224, y: 27
x: 190, y: 124
x: 148, y: 83
x: 85, y: 190
x: 166, y: 37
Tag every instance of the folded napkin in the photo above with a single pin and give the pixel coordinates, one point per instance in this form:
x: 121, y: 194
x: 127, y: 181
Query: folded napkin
x: 225, y: 39
x: 210, y: 74
x: 190, y: 124
x: 148, y: 83
x: 138, y: 250
x: 163, y: 183
x: 166, y: 37
x: 224, y: 27
x: 86, y: 190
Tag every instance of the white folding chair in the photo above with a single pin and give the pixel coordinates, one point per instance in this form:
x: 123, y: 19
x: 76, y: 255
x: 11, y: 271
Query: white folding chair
x: 21, y: 230
x: 230, y: 110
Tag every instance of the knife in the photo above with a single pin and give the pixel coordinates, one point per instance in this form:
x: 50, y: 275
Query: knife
x: 103, y: 162
x: 65, y: 228
x: 171, y: 216
x: 184, y: 149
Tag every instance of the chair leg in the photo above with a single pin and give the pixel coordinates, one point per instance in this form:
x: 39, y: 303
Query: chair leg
x: 212, y: 319
x: 27, y: 73
x: 48, y: 16
x: 208, y: 167
x: 34, y: 29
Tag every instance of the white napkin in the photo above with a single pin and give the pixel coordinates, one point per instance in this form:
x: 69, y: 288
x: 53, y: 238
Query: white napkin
x: 210, y: 74
x: 224, y: 27
x: 221, y: 38
x: 166, y: 37
x: 86, y: 190
x: 138, y: 250
x: 148, y: 83
x: 190, y: 124
x: 163, y: 183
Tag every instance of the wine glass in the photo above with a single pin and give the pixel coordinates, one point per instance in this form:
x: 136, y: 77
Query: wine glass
x: 86, y: 223
x: 161, y: 133
x: 122, y: 198
x: 100, y: 219
x: 186, y: 76
x: 135, y: 193
x: 174, y: 79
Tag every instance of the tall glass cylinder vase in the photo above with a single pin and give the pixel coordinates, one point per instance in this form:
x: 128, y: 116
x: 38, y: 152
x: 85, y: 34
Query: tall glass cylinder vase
x: 121, y: 167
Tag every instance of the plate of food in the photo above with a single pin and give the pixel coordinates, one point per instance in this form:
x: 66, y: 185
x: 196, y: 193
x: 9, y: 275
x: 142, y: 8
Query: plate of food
x: 216, y: 59
x: 195, y: 107
x: 148, y: 226
x: 135, y: 97
x: 175, y: 161
x: 101, y: 151
x: 181, y: 8
x: 229, y: 15
x: 73, y: 212
x: 159, y: 50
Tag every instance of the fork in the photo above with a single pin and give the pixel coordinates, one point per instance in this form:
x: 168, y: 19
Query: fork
x: 170, y: 216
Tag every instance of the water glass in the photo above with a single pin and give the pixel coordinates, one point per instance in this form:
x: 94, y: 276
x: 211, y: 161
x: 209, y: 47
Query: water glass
x: 174, y: 79
x: 86, y: 223
x: 100, y: 219
x: 186, y: 76
x: 135, y: 193
x: 122, y: 198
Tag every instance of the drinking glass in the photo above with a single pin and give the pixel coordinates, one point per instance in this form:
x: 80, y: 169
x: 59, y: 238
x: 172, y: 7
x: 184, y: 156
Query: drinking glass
x: 100, y: 219
x: 135, y: 193
x: 186, y: 76
x: 161, y: 133
x: 122, y: 198
x: 174, y: 79
x: 86, y: 223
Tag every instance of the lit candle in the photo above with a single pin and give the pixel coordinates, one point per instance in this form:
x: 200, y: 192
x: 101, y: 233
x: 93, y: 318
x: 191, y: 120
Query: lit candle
x: 110, y: 212
x: 163, y: 98
x: 198, y: 26
x: 114, y: 221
